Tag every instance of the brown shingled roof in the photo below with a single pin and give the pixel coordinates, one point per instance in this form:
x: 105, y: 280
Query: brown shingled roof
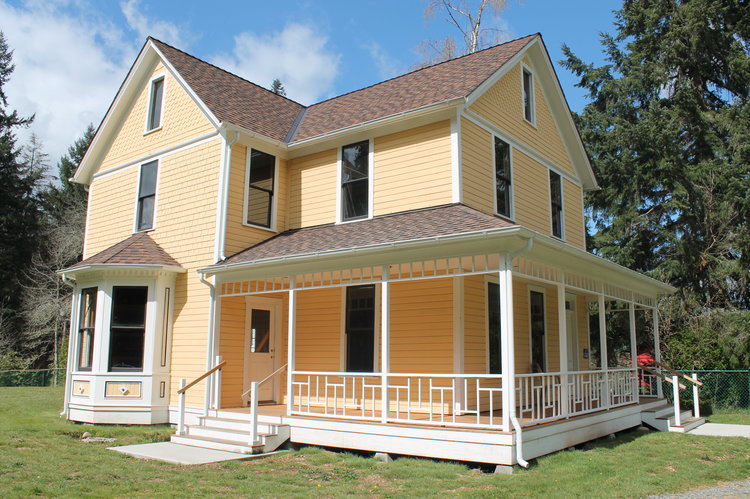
x: 138, y: 249
x: 239, y: 102
x: 431, y: 85
x: 232, y: 99
x: 405, y: 226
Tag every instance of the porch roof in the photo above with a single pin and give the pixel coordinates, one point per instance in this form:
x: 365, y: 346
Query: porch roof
x: 398, y: 227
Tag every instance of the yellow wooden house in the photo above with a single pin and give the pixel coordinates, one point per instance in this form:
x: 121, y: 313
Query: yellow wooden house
x: 400, y: 269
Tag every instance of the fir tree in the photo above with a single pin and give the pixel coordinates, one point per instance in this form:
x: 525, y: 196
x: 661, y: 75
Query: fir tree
x: 278, y: 88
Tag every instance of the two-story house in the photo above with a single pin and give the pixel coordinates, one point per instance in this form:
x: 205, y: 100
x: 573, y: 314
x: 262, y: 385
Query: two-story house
x: 400, y: 269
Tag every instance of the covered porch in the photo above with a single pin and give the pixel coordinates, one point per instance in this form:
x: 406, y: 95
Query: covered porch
x: 492, y: 332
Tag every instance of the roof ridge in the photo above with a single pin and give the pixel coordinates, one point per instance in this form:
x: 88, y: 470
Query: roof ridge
x: 422, y: 69
x: 225, y: 71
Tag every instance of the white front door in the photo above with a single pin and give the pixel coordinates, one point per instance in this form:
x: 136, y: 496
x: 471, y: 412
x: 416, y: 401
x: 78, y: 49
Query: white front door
x: 261, y: 326
x: 572, y: 331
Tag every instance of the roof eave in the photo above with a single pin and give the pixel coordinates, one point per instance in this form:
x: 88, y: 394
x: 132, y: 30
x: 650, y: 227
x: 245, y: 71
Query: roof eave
x: 114, y: 267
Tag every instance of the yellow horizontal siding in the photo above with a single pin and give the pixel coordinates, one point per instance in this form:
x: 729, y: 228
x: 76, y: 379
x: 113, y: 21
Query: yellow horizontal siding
x: 531, y: 193
x: 312, y: 189
x: 318, y: 330
x: 572, y: 204
x: 477, y: 167
x: 412, y: 169
x: 502, y: 106
x: 182, y: 121
x: 475, y: 325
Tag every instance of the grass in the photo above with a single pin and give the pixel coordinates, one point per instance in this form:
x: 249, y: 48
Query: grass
x: 42, y: 455
x: 727, y: 416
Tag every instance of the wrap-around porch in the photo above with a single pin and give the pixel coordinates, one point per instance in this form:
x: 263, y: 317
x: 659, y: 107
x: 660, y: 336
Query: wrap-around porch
x: 446, y: 341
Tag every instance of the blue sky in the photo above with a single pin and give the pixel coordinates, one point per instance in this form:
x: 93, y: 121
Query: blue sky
x: 71, y: 55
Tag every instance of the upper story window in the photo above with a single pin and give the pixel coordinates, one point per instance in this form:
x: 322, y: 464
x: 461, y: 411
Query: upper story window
x: 86, y: 324
x: 127, y: 333
x: 355, y: 181
x: 261, y: 172
x: 555, y: 190
x: 502, y: 178
x: 528, y: 96
x: 147, y: 196
x: 153, y: 121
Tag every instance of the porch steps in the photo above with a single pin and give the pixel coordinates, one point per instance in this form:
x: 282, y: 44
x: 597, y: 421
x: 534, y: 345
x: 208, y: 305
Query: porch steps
x: 233, y: 435
x: 662, y: 418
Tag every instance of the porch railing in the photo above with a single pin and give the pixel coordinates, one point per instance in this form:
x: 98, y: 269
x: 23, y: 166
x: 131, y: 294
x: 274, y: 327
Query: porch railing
x: 473, y: 400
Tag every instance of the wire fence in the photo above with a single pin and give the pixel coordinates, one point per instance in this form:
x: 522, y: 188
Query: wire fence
x: 31, y: 377
x: 721, y: 390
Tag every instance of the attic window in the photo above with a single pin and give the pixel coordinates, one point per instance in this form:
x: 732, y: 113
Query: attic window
x: 155, y: 104
x: 528, y: 96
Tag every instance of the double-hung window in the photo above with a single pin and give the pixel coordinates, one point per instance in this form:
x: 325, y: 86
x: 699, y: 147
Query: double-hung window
x: 555, y: 190
x: 147, y: 196
x: 528, y: 96
x: 86, y: 328
x: 502, y: 178
x: 127, y: 332
x: 260, y: 189
x: 355, y: 181
x: 153, y: 121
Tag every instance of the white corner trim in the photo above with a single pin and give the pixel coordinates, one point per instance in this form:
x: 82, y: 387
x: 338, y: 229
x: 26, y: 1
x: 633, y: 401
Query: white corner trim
x: 456, y: 174
x: 222, y: 200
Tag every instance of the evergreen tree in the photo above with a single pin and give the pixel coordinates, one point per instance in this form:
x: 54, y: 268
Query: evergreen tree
x: 19, y: 206
x: 278, y: 88
x: 668, y: 132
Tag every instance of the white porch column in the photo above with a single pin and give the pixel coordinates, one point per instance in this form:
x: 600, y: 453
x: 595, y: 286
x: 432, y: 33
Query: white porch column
x: 290, y: 345
x: 603, y: 350
x: 633, y: 348
x: 385, y: 341
x: 657, y: 349
x: 507, y: 346
x: 562, y: 332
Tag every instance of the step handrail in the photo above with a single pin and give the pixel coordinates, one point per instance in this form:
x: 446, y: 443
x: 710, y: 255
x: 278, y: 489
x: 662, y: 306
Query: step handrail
x: 202, y: 377
x: 677, y: 373
x: 661, y: 375
x: 184, y: 387
x: 277, y: 371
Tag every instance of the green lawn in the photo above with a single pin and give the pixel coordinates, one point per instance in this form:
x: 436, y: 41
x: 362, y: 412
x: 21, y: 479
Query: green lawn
x: 727, y: 416
x: 41, y: 454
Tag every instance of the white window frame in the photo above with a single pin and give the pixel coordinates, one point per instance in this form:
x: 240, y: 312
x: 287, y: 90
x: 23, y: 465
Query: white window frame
x: 562, y: 205
x: 489, y: 279
x: 370, y: 181
x: 543, y: 291
x: 377, y: 336
x: 275, y: 200
x: 532, y: 95
x: 512, y: 215
x: 138, y: 193
x: 160, y: 76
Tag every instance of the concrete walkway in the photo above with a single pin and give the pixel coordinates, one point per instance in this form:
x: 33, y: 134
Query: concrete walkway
x: 722, y: 430
x: 181, y: 454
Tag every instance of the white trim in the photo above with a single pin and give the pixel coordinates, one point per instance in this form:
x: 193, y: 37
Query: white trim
x: 543, y: 291
x: 528, y: 151
x: 138, y: 195
x: 150, y: 104
x: 370, y: 182
x: 87, y: 226
x: 177, y: 148
x: 511, y: 205
x: 274, y: 199
x: 456, y: 175
x: 525, y: 69
x: 222, y: 200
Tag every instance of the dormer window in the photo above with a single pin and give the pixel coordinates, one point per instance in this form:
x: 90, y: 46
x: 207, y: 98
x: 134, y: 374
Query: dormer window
x: 261, y: 171
x: 355, y: 181
x: 528, y: 96
x: 155, y: 104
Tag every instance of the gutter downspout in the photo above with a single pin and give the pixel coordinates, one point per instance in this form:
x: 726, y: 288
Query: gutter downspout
x: 69, y: 367
x: 221, y: 223
x: 210, y: 347
x: 513, y: 417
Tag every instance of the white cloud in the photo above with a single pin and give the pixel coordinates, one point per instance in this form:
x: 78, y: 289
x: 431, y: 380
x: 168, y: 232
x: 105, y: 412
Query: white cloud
x: 297, y: 55
x: 141, y: 24
x: 388, y: 67
x: 68, y: 68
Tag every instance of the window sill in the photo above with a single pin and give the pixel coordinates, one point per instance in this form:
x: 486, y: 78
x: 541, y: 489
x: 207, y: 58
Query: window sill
x: 532, y: 124
x: 353, y: 220
x: 144, y: 230
x: 153, y: 130
x: 506, y: 218
x: 267, y: 229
